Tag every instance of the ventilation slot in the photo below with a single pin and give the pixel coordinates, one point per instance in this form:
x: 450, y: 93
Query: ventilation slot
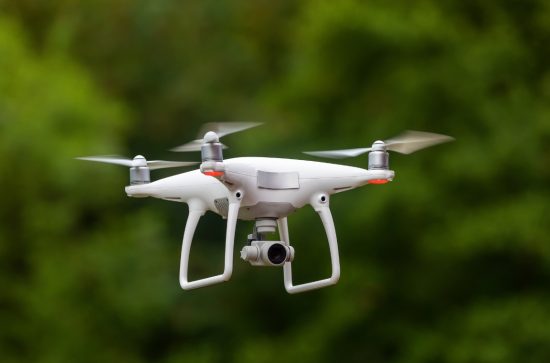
x: 222, y: 205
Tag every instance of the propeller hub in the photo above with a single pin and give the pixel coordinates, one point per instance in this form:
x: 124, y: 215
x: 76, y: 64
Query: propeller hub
x: 379, y: 146
x: 139, y: 161
x: 211, y: 137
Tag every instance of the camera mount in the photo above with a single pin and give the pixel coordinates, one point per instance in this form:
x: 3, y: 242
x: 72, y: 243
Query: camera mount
x: 262, y: 252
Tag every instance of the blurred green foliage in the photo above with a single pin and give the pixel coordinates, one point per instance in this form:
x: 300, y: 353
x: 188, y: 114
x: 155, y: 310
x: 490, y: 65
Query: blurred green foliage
x: 448, y: 263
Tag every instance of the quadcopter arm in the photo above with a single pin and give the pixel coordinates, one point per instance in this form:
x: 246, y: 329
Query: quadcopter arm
x: 321, y: 206
x: 196, y: 211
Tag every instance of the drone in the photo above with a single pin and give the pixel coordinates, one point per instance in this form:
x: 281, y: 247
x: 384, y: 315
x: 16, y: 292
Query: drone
x: 264, y: 190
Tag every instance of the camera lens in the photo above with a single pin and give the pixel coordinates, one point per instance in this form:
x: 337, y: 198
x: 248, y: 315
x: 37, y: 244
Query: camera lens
x: 276, y: 254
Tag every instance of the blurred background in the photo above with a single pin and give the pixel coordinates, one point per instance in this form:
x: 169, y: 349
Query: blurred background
x: 448, y: 263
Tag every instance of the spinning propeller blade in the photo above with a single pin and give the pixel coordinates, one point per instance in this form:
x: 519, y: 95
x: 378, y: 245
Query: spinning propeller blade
x: 411, y: 141
x: 138, y: 161
x: 405, y: 143
x: 118, y: 160
x: 339, y: 154
x: 163, y: 164
x: 226, y: 128
x: 220, y: 128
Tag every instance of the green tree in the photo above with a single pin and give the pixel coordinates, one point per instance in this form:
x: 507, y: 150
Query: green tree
x: 60, y: 229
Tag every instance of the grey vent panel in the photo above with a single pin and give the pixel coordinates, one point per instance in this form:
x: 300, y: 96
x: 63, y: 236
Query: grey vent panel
x: 285, y: 180
x: 222, y: 205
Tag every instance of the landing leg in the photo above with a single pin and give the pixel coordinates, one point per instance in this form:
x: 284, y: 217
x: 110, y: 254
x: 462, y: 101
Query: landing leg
x: 196, y: 211
x: 328, y: 223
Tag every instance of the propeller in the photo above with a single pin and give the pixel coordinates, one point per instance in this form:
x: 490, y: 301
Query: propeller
x: 138, y: 161
x: 220, y: 129
x: 405, y: 143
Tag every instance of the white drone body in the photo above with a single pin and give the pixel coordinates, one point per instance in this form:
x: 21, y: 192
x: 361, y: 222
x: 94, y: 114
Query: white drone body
x: 264, y: 190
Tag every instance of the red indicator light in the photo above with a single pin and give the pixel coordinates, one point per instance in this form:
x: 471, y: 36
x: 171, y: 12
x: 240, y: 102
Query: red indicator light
x: 378, y: 181
x: 213, y: 173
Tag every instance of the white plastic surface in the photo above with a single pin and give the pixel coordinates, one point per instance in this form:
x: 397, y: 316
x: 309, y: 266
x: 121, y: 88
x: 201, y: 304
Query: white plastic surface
x: 326, y: 217
x: 184, y: 187
x: 314, y: 177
